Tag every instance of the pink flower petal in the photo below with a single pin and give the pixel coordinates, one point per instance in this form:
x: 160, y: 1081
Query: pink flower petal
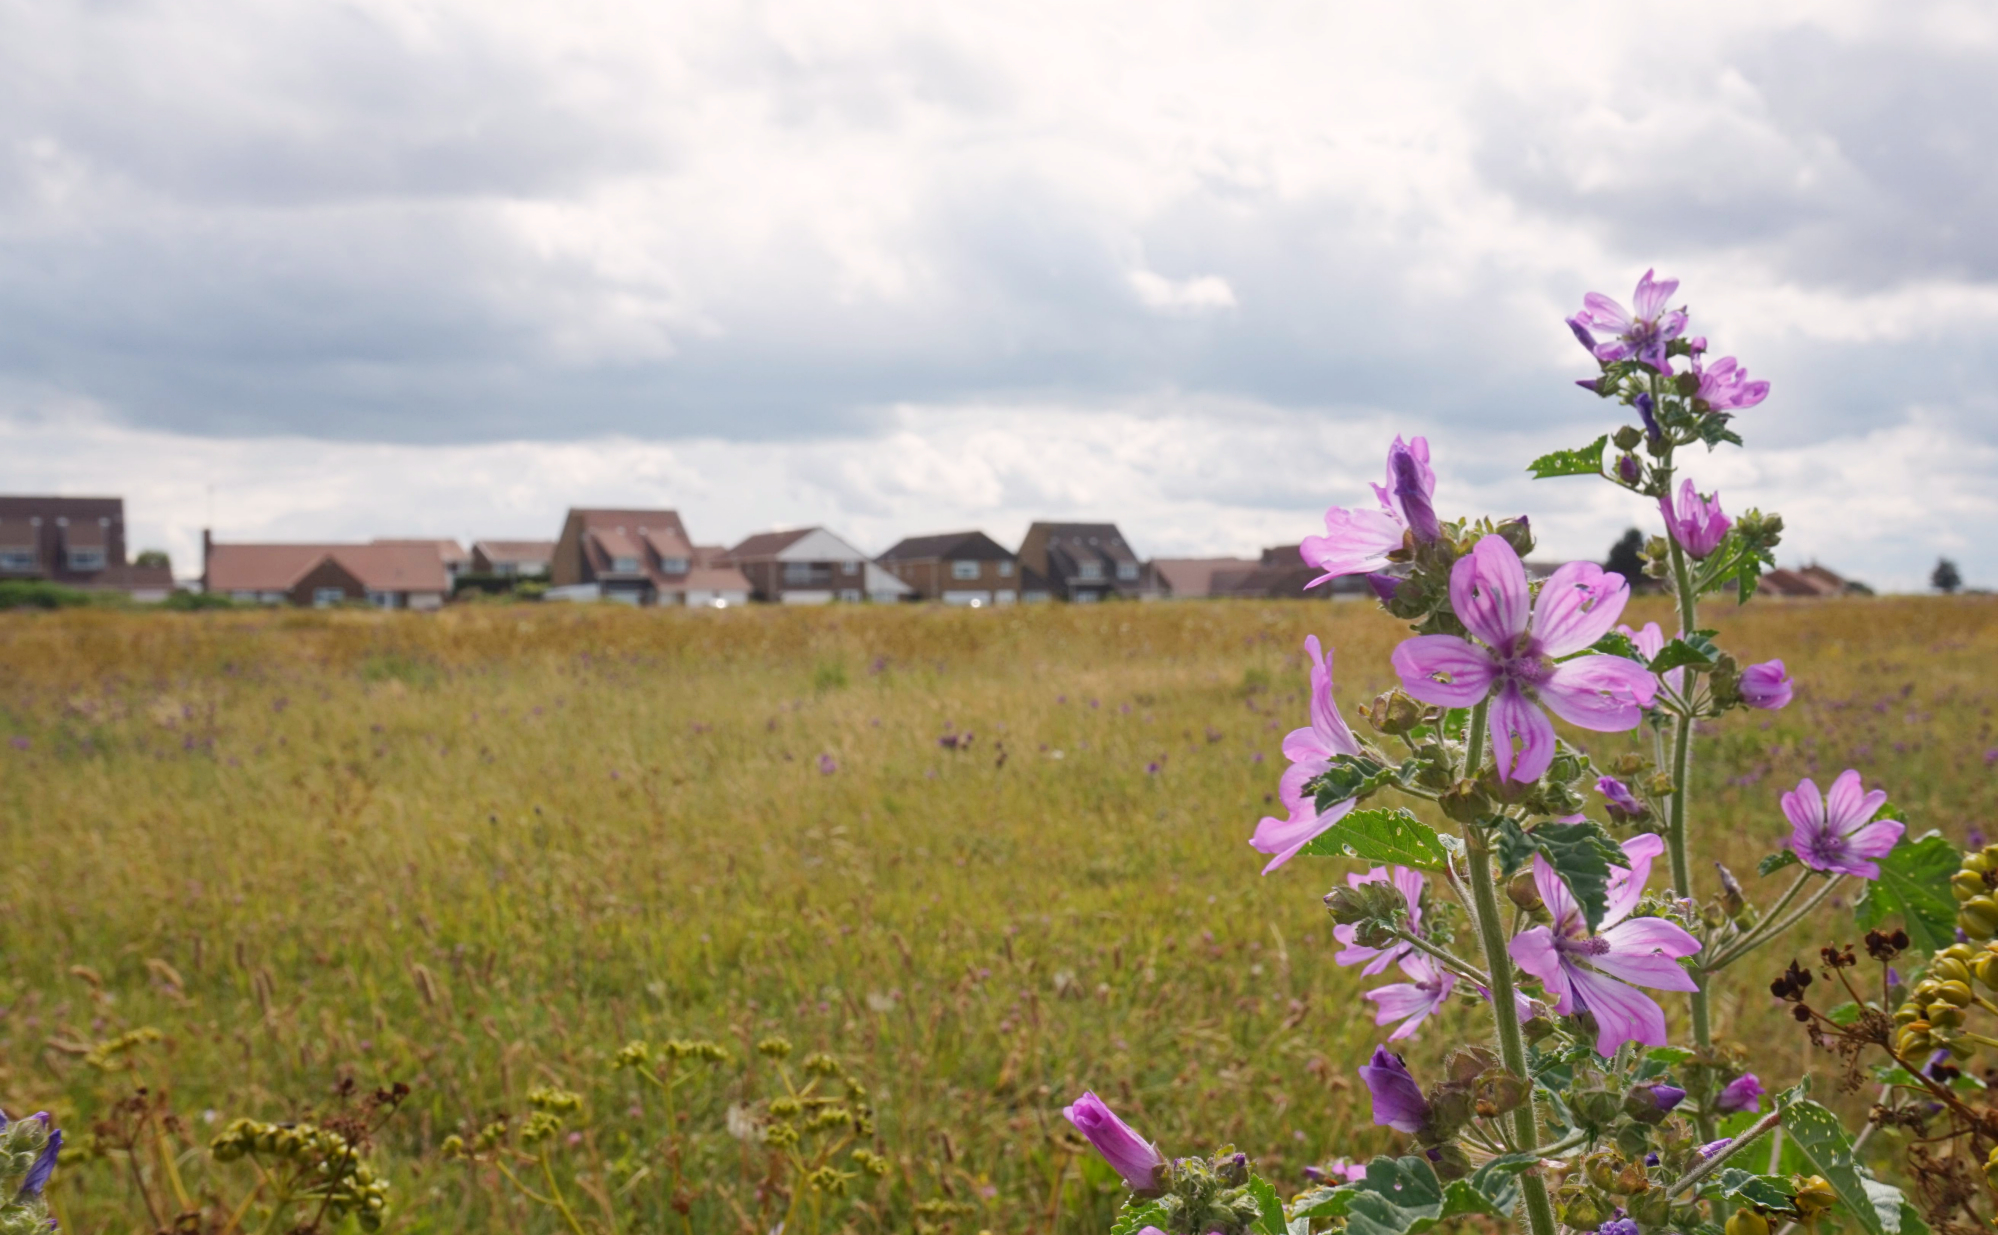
x: 1355, y: 542
x: 1534, y: 952
x: 1626, y: 887
x: 1488, y: 592
x: 1284, y: 837
x: 1640, y: 936
x: 1554, y: 894
x: 1443, y: 670
x: 1660, y: 973
x: 1578, y: 606
x: 1875, y: 839
x: 1605, y: 693
x: 1605, y: 314
x: 1804, y: 807
x: 1512, y: 718
x: 1650, y: 641
x: 1623, y: 1013
x: 1848, y: 806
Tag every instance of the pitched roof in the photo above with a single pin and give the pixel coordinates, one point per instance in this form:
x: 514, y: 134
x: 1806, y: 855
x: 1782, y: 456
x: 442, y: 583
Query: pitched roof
x: 449, y: 551
x: 1195, y: 576
x: 380, y: 567
x: 669, y: 542
x: 516, y: 550
x: 769, y: 544
x: 967, y: 546
x: 395, y: 566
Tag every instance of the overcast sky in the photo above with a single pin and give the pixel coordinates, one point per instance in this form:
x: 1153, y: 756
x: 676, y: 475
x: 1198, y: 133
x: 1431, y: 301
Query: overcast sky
x: 352, y: 269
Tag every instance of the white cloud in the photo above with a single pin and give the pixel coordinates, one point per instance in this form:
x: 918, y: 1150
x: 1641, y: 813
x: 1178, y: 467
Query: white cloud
x: 1204, y: 293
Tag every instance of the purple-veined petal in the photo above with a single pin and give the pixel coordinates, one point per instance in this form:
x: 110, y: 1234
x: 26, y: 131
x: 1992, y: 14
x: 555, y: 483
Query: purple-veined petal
x: 1848, y: 806
x: 1640, y: 936
x: 1488, y: 592
x: 1650, y: 641
x: 1410, y: 883
x: 1560, y: 902
x: 1515, y: 717
x: 1284, y: 837
x: 1398, y: 1100
x: 1804, y: 807
x: 1333, y: 735
x: 1577, y: 606
x: 1875, y: 839
x: 1604, y: 314
x: 1652, y: 295
x: 1605, y: 693
x: 1355, y: 542
x: 1534, y: 952
x: 1626, y: 886
x: 1660, y: 973
x: 1444, y: 670
x: 1623, y: 1013
x: 1132, y: 1156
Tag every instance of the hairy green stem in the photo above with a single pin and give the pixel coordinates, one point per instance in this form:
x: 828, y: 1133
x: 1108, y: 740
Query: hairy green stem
x: 1753, y: 936
x: 1498, y: 963
x: 1732, y: 1148
x: 1455, y: 964
x: 1675, y: 831
x: 1773, y: 932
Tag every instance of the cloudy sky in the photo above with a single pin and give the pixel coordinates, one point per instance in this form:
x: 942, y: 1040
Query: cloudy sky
x: 370, y: 268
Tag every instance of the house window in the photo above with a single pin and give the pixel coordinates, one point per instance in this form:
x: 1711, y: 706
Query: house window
x: 86, y: 559
x: 849, y: 568
x: 797, y: 573
x: 325, y: 596
x: 624, y: 565
x: 850, y: 595
x: 964, y: 570
x: 1127, y: 571
x: 17, y: 559
x: 1085, y: 598
x: 1089, y: 570
x: 278, y: 598
x: 1005, y: 570
x: 673, y: 565
x: 382, y: 600
x: 242, y: 595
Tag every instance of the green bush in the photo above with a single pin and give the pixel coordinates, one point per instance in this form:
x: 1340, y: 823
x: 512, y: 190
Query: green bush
x: 40, y: 594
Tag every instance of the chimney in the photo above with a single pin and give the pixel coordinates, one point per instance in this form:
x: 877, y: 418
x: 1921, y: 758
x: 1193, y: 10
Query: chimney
x: 207, y: 543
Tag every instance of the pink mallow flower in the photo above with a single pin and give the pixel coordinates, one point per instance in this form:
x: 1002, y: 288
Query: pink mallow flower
x: 1358, y: 541
x: 1516, y: 667
x: 1595, y: 972
x: 1725, y: 387
x: 1409, y: 883
x: 1831, y: 832
x: 1766, y: 685
x: 1131, y: 1155
x: 1640, y: 335
x: 1310, y: 751
x: 1698, y: 524
x: 1411, y: 1002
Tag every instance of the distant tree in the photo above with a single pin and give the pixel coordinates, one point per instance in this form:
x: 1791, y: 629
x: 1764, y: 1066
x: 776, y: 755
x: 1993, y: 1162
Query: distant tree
x: 153, y: 557
x: 1945, y: 577
x: 1626, y: 557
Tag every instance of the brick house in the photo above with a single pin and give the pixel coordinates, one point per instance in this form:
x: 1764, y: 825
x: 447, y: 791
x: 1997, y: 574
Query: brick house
x: 639, y: 557
x: 958, y: 568
x: 386, y: 574
x: 1085, y: 562
x: 1810, y: 581
x: 450, y: 552
x: 77, y: 542
x: 512, y: 559
x: 812, y: 566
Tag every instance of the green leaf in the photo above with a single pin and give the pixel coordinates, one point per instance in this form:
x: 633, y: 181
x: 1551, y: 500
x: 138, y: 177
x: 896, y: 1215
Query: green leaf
x: 1693, y: 648
x: 1770, y: 1192
x: 1271, y: 1205
x: 1616, y: 644
x: 1775, y: 862
x: 1137, y: 1215
x: 1588, y: 461
x: 1350, y: 776
x: 1580, y: 853
x: 1846, y: 1013
x: 1402, y: 1196
x: 1669, y: 1054
x: 1914, y: 883
x: 1393, y: 836
x: 1888, y: 1204
x: 1823, y: 1143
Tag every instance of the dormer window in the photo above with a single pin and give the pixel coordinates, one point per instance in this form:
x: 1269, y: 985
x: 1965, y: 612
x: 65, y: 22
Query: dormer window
x: 624, y: 565
x: 1127, y: 571
x: 85, y: 559
x: 1089, y: 570
x: 673, y: 565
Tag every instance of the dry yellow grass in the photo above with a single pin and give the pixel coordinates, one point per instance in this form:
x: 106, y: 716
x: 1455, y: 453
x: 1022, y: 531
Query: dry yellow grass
x: 480, y: 851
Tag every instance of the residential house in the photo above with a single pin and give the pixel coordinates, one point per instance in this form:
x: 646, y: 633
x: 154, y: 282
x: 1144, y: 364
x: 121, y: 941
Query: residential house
x: 387, y: 574
x: 1085, y: 562
x: 1810, y: 581
x: 456, y: 561
x: 639, y: 557
x: 512, y: 559
x: 1187, y: 578
x: 959, y: 568
x: 1281, y: 573
x: 812, y: 566
x: 77, y: 542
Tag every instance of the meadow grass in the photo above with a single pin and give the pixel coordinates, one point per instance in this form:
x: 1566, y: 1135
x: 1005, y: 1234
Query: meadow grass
x: 479, y: 851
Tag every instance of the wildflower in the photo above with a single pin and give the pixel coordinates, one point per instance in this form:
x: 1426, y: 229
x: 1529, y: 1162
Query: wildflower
x: 1517, y: 666
x: 1711, y: 1148
x: 1133, y: 1157
x: 1344, y: 1170
x: 1619, y: 795
x: 45, y: 1162
x: 1618, y: 1226
x: 1743, y: 1093
x: 1383, y: 586
x: 1411, y: 1002
x: 1398, y: 1100
x: 1766, y: 685
x: 1594, y: 972
x: 1410, y: 884
x: 1832, y: 833
x: 1358, y: 541
x: 1698, y: 524
x: 1310, y: 751
x: 1639, y: 335
x: 826, y: 765
x: 1726, y: 388
x: 1664, y: 1097
x: 1645, y: 411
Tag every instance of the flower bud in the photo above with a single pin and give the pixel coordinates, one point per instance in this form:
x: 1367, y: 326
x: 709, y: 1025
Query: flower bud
x: 1524, y: 892
x: 1506, y: 1093
x: 1450, y: 1162
x: 1596, y: 1108
x: 1466, y: 802
x: 1628, y: 469
x: 1991, y: 1168
x: 1468, y: 1063
x: 1519, y: 534
x: 1649, y: 1207
x: 1732, y: 901
x: 1394, y: 712
x: 1580, y: 1210
x: 1815, y: 1195
x: 1747, y: 1222
x: 1628, y: 437
x: 1766, y: 686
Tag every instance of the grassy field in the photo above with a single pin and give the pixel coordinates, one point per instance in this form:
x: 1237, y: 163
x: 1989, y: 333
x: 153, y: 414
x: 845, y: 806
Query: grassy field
x: 985, y: 859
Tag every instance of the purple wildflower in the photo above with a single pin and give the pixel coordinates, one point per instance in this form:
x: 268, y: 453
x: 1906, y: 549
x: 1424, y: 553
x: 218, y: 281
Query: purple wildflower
x: 1743, y: 1093
x: 44, y: 1164
x: 1711, y: 1148
x: 1344, y: 1170
x: 1131, y: 1155
x: 1583, y: 336
x: 826, y: 764
x: 1833, y: 833
x: 1726, y: 388
x: 1383, y: 585
x: 1619, y: 795
x: 1410, y: 884
x: 1639, y: 335
x: 19, y: 743
x: 1411, y: 1002
x: 1628, y: 469
x: 1664, y: 1097
x: 1310, y: 751
x: 1359, y: 541
x: 1517, y: 665
x: 1766, y: 685
x: 1594, y: 972
x: 1644, y: 410
x: 1698, y: 524
x: 1618, y: 1226
x: 1398, y: 1100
